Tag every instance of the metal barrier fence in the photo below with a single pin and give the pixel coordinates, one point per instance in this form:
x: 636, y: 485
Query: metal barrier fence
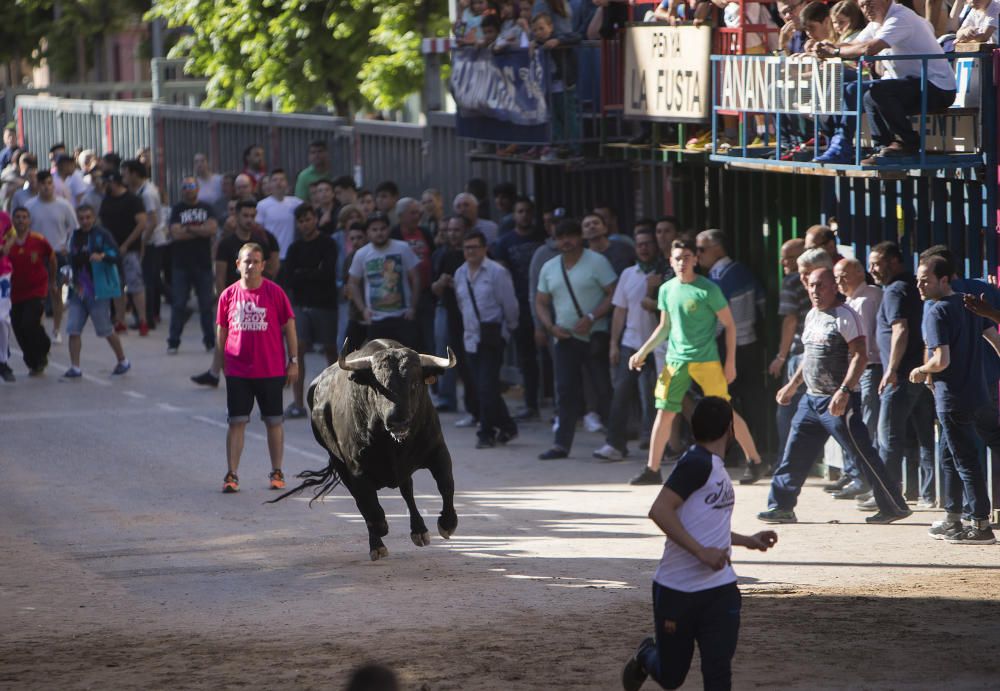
x: 414, y: 156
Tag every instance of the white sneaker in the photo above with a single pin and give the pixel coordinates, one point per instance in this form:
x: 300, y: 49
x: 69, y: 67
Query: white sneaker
x: 592, y: 422
x: 609, y: 453
x: 555, y: 424
x: 467, y: 421
x: 57, y: 337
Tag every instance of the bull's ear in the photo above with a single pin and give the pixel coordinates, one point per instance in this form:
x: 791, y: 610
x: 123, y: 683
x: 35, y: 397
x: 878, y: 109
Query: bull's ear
x: 430, y: 379
x: 362, y: 376
x: 430, y: 374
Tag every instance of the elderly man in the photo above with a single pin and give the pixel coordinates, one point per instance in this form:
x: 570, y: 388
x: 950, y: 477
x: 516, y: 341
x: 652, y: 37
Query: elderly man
x: 467, y: 206
x: 746, y: 301
x: 834, y: 360
x: 865, y: 300
x: 893, y: 29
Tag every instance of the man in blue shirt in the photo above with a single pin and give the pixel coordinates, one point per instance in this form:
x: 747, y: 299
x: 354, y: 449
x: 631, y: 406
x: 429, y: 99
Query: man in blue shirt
x: 897, y: 330
x: 954, y: 368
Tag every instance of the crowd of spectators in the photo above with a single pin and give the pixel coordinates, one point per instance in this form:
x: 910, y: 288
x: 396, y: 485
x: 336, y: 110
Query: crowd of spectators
x: 571, y: 307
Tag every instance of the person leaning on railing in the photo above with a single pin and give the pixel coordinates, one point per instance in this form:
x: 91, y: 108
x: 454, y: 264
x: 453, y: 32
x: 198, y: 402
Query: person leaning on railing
x: 894, y: 30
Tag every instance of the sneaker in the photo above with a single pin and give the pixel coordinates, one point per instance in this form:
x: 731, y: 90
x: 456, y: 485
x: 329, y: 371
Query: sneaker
x: 121, y: 368
x: 120, y: 327
x: 172, y: 350
x: 634, y: 676
x: 276, y: 477
x: 777, y: 516
x: 971, y: 535
x: 840, y: 484
x: 486, y: 443
x: 505, y: 436
x: 852, y: 490
x: 230, y: 483
x: 609, y: 453
x: 206, y: 379
x: 882, y: 518
x: 592, y: 423
x: 836, y: 152
x: 73, y: 373
x: 648, y: 476
x: 526, y: 415
x: 752, y: 473
x: 867, y: 505
x: 467, y: 421
x: 865, y: 497
x: 942, y: 530
x: 57, y: 337
x: 552, y: 454
x: 6, y: 373
x: 926, y: 503
x: 294, y: 412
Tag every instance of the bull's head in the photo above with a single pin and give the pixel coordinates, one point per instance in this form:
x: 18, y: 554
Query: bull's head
x: 399, y: 376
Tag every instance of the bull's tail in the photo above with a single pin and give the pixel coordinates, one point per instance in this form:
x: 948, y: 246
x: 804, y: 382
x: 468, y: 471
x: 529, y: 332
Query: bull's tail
x: 325, y: 481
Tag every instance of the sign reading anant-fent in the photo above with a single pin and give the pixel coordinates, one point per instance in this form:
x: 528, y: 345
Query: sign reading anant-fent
x: 762, y: 84
x: 667, y: 72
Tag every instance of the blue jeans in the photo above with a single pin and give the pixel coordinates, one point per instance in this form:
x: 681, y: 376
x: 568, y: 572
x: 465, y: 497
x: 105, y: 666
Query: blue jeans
x: 906, y: 411
x: 785, y: 413
x: 628, y: 383
x: 183, y: 279
x: 812, y: 426
x: 709, y: 617
x: 963, y: 477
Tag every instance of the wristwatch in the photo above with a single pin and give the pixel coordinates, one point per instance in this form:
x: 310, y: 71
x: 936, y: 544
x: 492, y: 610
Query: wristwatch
x: 845, y: 389
x: 590, y: 316
x: 293, y: 360
x: 838, y: 52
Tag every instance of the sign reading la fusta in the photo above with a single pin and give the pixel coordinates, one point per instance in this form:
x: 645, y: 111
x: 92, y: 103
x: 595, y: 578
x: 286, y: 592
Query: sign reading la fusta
x: 667, y: 72
x: 761, y: 84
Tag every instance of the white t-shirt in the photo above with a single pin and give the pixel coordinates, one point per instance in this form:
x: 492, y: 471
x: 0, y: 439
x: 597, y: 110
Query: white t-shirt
x: 385, y: 276
x: 866, y: 301
x: 639, y: 323
x: 981, y: 20
x: 754, y: 15
x: 279, y: 218
x: 826, y: 339
x: 907, y: 33
x: 56, y: 220
x: 70, y: 189
x: 210, y: 189
x: 701, y: 480
x: 150, y: 196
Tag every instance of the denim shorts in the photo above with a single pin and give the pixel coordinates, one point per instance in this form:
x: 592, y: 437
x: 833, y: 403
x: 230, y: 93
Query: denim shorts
x: 99, y: 311
x: 132, y: 274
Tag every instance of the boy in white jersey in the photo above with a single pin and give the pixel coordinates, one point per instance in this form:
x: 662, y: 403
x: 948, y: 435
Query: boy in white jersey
x: 695, y: 597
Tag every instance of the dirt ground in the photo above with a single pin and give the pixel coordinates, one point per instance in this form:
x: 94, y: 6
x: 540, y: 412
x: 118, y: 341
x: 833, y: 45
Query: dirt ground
x: 125, y: 567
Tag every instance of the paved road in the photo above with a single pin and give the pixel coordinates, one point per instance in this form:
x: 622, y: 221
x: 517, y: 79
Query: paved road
x: 126, y: 566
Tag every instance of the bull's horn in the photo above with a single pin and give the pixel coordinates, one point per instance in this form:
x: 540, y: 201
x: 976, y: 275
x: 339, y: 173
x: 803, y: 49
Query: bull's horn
x: 355, y: 364
x: 435, y: 361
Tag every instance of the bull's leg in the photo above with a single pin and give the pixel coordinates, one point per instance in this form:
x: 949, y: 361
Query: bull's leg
x: 440, y: 467
x: 366, y: 498
x: 418, y: 530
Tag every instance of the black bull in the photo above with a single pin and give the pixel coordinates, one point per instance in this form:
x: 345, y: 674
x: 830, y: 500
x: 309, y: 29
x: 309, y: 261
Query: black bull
x: 374, y: 416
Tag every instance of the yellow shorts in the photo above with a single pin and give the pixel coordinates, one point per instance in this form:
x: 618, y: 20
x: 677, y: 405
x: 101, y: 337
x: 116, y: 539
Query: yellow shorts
x: 675, y: 380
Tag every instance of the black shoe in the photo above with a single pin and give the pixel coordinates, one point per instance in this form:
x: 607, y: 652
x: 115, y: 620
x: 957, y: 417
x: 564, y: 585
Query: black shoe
x: 882, y: 518
x: 7, y: 374
x: 840, y: 484
x: 505, y: 436
x: 206, y: 379
x: 553, y: 453
x: 971, y: 535
x: 852, y: 490
x: 647, y: 477
x: 752, y: 473
x: 486, y: 444
x: 634, y: 676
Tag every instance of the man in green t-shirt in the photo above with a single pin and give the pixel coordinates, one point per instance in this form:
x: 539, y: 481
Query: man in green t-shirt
x: 690, y: 307
x: 318, y: 169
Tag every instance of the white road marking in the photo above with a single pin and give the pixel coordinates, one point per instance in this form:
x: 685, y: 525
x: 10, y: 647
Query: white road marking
x: 169, y: 408
x: 134, y: 394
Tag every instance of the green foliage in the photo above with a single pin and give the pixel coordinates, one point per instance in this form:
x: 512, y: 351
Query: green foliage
x: 305, y: 53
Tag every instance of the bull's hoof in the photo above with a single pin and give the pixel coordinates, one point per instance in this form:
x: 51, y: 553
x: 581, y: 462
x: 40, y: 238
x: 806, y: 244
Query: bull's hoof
x: 421, y: 539
x: 446, y: 534
x: 447, y: 525
x: 380, y: 553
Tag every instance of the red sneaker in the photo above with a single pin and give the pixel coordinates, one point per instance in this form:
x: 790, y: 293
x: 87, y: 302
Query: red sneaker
x: 120, y: 328
x: 277, y: 479
x: 143, y: 328
x: 231, y: 483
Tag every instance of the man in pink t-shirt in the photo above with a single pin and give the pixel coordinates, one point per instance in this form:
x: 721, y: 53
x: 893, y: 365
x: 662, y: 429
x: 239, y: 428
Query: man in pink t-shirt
x: 254, y: 315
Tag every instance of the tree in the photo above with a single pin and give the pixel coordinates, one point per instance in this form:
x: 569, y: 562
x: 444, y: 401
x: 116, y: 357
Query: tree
x: 305, y: 53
